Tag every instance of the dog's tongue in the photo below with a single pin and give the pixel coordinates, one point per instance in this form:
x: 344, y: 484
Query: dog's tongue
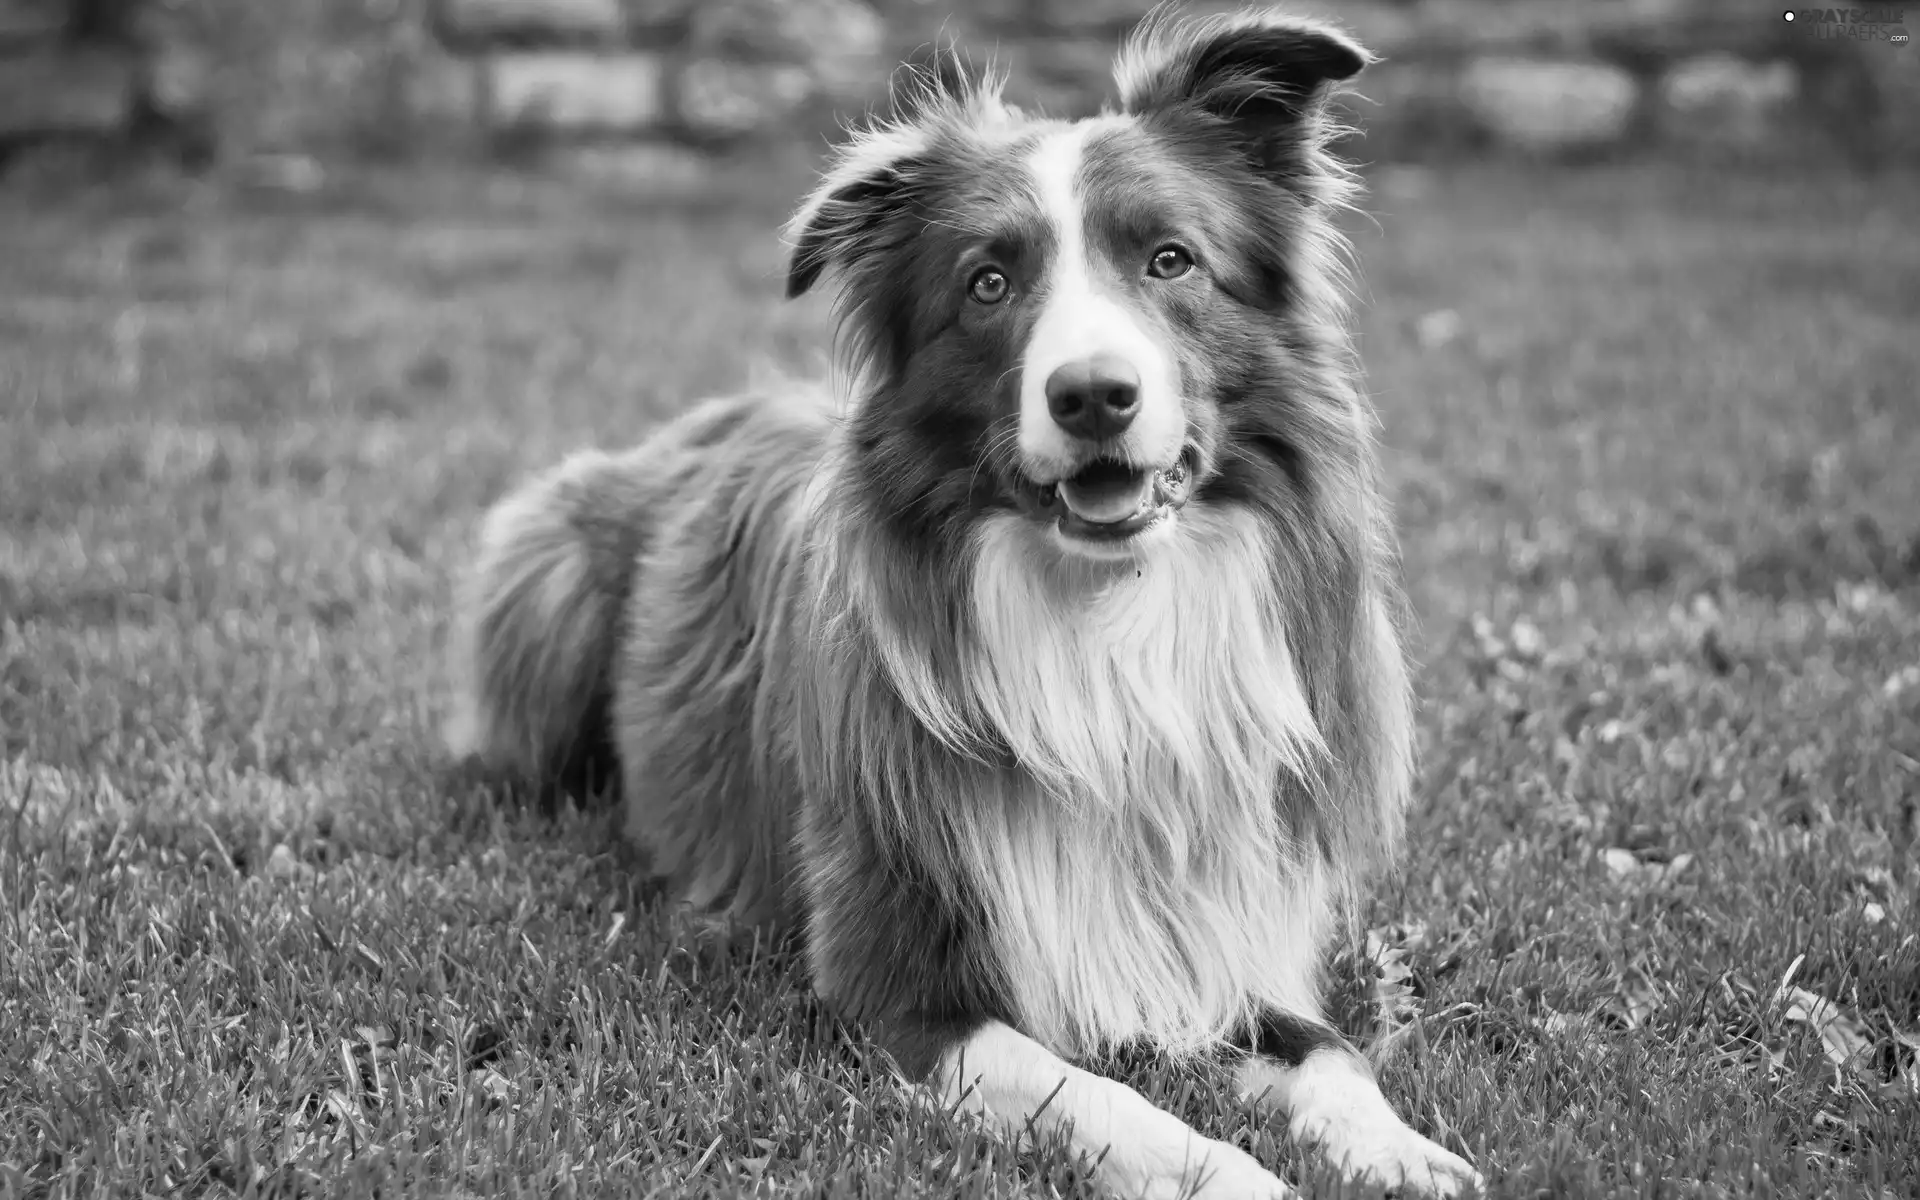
x: 1107, y: 492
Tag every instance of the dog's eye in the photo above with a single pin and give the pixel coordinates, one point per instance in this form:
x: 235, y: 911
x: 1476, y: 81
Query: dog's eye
x: 1169, y: 262
x: 988, y: 286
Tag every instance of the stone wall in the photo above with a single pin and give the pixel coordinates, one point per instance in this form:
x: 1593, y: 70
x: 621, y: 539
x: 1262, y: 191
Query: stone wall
x: 1533, y: 77
x: 1713, y: 78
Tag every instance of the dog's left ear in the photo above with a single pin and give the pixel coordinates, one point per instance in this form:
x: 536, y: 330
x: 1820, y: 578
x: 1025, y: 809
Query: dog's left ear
x: 1266, y: 76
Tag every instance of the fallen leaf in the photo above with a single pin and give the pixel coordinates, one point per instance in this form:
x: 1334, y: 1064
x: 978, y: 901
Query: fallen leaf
x: 1638, y: 997
x: 1625, y: 864
x: 1635, y: 997
x: 1556, y: 1023
x: 1841, y: 1036
x: 1439, y: 328
x: 1526, y: 639
x: 1900, y: 681
x: 1485, y: 640
x: 1619, y: 862
x: 282, y: 864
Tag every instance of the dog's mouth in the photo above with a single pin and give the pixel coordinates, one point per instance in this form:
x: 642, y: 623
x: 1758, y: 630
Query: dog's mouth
x: 1110, y: 500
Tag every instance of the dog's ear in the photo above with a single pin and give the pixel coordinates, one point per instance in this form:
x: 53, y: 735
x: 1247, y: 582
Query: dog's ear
x: 1266, y: 76
x: 874, y: 176
x: 868, y: 185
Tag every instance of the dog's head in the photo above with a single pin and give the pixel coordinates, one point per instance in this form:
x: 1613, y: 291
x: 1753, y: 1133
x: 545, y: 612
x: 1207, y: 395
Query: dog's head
x: 1094, y: 323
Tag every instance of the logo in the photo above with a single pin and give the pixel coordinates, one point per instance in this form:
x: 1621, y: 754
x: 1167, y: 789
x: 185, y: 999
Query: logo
x: 1879, y: 23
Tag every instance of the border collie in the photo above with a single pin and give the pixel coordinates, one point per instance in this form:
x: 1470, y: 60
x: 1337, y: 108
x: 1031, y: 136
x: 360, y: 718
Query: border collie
x: 1045, y: 677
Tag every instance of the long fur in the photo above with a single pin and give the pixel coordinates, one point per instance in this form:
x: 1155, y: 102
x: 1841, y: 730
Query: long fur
x: 1017, y: 799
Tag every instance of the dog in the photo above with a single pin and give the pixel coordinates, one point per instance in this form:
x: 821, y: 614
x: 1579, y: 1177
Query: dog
x: 1044, y: 676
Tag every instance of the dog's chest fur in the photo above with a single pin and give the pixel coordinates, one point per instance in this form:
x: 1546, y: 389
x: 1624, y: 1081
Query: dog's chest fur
x: 1138, y: 880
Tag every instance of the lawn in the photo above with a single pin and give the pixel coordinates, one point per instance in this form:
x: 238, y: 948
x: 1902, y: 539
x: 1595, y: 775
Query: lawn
x: 1655, y: 443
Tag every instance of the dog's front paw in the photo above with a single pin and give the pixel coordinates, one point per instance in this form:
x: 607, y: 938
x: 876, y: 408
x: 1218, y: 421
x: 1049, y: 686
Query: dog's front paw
x: 1409, y: 1165
x: 1222, y: 1172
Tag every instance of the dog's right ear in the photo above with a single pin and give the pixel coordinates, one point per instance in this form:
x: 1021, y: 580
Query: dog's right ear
x: 868, y: 186
x: 876, y: 174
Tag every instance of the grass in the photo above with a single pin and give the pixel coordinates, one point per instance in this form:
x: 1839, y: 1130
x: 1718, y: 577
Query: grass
x: 1658, y: 485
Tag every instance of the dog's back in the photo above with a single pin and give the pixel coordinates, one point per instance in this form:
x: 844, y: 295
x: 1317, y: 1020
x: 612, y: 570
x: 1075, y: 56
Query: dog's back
x: 636, y: 599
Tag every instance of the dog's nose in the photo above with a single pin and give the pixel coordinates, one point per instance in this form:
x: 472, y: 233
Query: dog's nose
x: 1095, y: 398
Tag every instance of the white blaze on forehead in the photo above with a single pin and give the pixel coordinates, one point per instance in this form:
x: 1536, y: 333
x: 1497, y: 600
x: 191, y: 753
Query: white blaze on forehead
x: 1083, y: 314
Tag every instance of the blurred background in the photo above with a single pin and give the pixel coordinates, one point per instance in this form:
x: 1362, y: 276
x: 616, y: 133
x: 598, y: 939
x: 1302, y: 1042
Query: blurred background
x: 640, y: 87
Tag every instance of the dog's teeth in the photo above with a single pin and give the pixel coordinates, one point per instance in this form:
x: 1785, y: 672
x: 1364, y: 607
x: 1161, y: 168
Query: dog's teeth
x: 1169, y: 485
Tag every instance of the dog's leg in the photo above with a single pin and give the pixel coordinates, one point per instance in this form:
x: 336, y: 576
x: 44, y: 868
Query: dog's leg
x: 1019, y: 1086
x: 1303, y: 1069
